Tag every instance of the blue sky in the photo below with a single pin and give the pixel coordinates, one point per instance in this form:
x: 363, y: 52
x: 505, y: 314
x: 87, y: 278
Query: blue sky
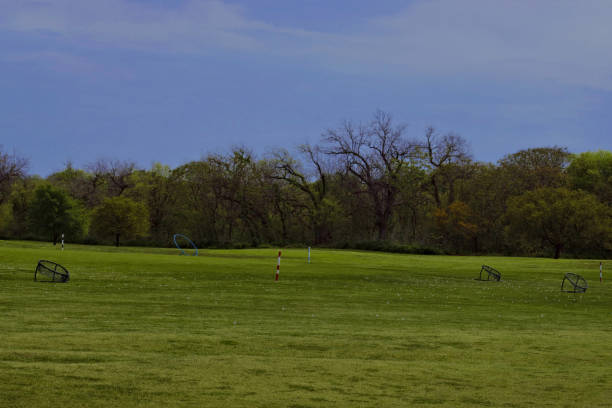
x: 171, y: 81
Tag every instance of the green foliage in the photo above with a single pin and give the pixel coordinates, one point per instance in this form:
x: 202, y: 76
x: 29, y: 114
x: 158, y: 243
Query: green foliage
x: 119, y: 217
x: 592, y: 172
x: 6, y: 217
x: 456, y: 226
x: 559, y: 218
x: 20, y: 200
x: 158, y: 190
x: 385, y: 246
x: 486, y: 193
x: 361, y: 183
x: 72, y: 180
x: 536, y: 168
x: 53, y: 212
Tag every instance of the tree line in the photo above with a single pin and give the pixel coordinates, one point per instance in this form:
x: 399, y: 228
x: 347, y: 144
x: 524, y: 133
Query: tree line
x: 364, y: 185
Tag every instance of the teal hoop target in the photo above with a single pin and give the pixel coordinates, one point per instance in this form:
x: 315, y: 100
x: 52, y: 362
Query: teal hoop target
x: 186, y: 239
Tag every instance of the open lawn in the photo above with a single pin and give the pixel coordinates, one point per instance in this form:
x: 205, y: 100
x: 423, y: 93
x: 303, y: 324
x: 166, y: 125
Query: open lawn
x: 142, y: 327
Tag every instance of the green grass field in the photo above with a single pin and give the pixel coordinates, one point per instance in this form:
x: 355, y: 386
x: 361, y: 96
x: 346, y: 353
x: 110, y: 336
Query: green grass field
x: 142, y: 327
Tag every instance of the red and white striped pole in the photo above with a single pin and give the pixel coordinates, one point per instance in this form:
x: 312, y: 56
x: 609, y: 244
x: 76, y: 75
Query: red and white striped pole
x: 278, y: 265
x: 600, y: 272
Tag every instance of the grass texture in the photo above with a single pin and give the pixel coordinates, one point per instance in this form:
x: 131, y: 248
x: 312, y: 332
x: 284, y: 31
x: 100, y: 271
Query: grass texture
x: 142, y: 327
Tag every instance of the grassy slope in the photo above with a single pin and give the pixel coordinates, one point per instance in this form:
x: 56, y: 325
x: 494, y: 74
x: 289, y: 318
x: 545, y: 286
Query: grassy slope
x: 148, y: 328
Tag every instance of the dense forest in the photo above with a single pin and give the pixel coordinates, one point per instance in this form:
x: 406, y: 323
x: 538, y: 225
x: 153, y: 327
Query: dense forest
x: 365, y: 185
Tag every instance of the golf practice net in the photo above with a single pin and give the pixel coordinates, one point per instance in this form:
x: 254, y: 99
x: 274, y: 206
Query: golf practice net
x: 48, y: 271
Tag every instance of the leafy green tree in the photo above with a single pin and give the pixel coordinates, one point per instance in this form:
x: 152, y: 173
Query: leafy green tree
x: 244, y: 184
x: 415, y: 204
x: 6, y: 218
x: 53, y: 212
x: 22, y: 195
x: 80, y: 184
x: 559, y: 218
x: 119, y: 217
x: 199, y: 211
x: 486, y: 192
x: 592, y: 172
x: 157, y: 188
x: 536, y: 168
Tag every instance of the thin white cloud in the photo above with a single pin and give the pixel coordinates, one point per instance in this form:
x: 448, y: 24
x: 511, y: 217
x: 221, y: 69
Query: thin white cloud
x: 189, y: 28
x: 558, y: 40
x: 562, y: 40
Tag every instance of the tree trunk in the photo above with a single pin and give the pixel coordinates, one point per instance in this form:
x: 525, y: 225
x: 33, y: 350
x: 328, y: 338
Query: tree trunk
x: 558, y: 248
x: 317, y: 232
x: 436, y: 192
x: 451, y: 192
x: 321, y: 233
x: 116, y: 240
x: 414, y: 224
x: 381, y: 225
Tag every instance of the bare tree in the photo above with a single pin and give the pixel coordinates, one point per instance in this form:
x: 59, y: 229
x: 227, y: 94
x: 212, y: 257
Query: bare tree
x: 12, y: 168
x: 96, y: 179
x: 292, y: 171
x: 116, y: 173
x: 447, y: 155
x: 375, y: 154
x: 314, y: 185
x: 119, y: 175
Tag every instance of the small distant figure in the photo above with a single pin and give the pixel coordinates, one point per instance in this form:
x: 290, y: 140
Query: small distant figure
x: 62, y: 241
x: 600, y: 272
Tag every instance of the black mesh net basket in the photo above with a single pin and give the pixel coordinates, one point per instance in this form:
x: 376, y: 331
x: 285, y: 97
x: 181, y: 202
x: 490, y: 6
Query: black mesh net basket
x: 488, y: 273
x: 48, y: 271
x: 574, y: 283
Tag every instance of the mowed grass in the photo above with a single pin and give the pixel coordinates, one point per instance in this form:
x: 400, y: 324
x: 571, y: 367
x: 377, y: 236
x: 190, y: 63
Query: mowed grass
x: 141, y: 327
